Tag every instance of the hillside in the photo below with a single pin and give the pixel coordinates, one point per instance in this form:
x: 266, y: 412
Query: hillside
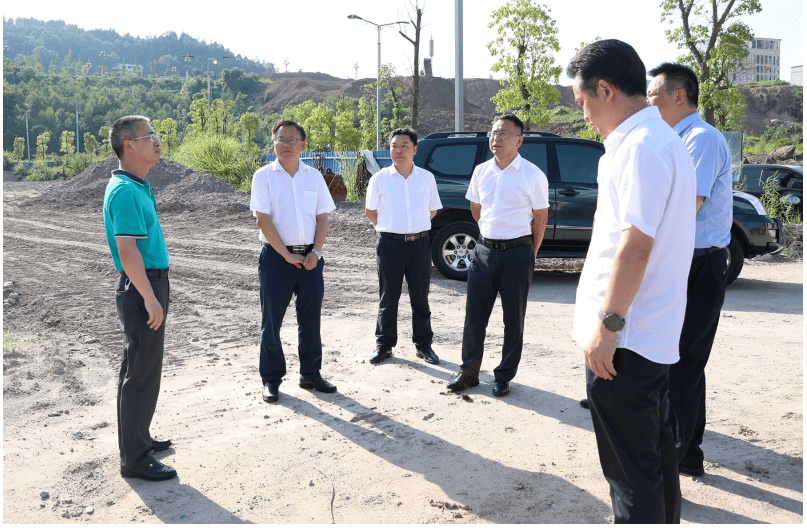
x: 767, y: 105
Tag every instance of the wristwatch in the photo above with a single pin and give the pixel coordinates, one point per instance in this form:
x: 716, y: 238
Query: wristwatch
x: 611, y: 321
x: 317, y: 253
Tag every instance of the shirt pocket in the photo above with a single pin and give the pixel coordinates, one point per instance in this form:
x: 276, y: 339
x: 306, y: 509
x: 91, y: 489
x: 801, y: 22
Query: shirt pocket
x: 310, y: 202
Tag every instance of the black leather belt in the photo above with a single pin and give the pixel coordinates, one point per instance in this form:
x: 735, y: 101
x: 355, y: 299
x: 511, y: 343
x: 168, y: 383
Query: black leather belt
x: 405, y: 238
x: 702, y: 252
x: 505, y: 244
x: 151, y: 273
x: 301, y: 250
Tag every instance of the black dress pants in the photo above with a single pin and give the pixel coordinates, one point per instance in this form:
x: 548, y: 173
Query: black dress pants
x: 141, y: 369
x: 507, y: 272
x: 635, y: 442
x: 279, y: 281
x: 397, y: 259
x: 686, y: 405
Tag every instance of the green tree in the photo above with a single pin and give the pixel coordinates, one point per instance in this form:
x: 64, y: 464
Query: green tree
x: 90, y: 144
x: 715, y: 43
x: 19, y: 148
x: 347, y: 137
x: 67, y: 143
x: 104, y: 133
x: 367, y: 122
x: 168, y: 132
x: 526, y: 39
x: 249, y: 123
x: 318, y: 127
x: 42, y: 141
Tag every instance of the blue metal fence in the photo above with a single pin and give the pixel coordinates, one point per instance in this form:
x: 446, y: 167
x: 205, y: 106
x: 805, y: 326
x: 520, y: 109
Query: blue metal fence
x: 333, y: 160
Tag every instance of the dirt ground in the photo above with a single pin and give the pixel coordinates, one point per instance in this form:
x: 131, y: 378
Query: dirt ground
x: 392, y: 445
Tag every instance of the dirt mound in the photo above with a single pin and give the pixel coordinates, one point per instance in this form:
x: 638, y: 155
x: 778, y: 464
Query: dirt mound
x: 176, y: 187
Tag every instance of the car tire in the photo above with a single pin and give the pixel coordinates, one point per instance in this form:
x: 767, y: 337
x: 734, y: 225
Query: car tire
x: 452, y: 249
x: 736, y: 259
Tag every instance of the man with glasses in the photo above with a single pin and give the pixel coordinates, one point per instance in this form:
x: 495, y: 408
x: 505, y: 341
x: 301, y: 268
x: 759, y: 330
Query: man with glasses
x: 674, y: 91
x: 510, y: 201
x: 401, y: 201
x: 291, y: 203
x: 138, y: 250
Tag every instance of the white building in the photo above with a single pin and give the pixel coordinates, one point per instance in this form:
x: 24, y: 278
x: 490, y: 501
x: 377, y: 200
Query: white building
x: 762, y: 63
x: 797, y: 75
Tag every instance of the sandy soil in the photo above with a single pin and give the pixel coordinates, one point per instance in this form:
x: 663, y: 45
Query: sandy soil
x: 392, y: 446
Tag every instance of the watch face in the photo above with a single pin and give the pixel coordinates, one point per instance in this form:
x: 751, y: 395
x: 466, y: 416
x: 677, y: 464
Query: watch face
x: 613, y: 322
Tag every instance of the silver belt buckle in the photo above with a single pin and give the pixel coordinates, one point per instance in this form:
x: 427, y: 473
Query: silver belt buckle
x: 298, y: 249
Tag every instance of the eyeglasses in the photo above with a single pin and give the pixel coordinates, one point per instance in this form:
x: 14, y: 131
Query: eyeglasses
x: 501, y: 135
x: 153, y: 137
x: 287, y: 141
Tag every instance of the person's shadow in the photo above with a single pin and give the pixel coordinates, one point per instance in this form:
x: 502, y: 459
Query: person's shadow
x: 173, y: 502
x: 543, y: 497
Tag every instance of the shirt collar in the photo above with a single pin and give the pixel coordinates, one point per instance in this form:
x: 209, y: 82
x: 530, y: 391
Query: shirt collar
x: 276, y: 166
x: 122, y: 173
x: 515, y: 164
x: 645, y: 114
x: 687, y: 122
x: 395, y: 171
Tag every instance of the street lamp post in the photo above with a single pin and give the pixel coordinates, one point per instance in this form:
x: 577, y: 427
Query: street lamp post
x: 214, y: 61
x: 378, y: 77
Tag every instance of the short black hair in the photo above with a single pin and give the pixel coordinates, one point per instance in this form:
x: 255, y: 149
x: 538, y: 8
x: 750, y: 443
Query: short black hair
x: 613, y: 61
x: 290, y: 123
x: 411, y: 133
x: 677, y: 75
x: 513, y: 119
x: 123, y: 129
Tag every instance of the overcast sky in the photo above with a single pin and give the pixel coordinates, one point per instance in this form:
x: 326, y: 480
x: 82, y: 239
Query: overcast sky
x: 316, y: 35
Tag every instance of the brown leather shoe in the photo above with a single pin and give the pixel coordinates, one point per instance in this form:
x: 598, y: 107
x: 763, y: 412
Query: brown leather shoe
x: 463, y: 381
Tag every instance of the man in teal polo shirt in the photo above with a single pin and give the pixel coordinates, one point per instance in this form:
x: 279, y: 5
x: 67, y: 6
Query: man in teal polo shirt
x: 138, y: 249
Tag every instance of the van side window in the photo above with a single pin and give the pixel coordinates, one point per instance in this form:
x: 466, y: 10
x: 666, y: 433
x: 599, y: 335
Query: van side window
x: 578, y: 164
x: 535, y: 153
x: 452, y: 160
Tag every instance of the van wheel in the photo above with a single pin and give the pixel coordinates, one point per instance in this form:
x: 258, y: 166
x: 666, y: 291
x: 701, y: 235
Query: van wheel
x: 736, y: 259
x: 452, y: 249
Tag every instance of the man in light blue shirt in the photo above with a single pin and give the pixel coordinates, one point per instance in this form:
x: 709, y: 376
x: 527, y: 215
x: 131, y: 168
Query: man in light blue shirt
x: 674, y: 90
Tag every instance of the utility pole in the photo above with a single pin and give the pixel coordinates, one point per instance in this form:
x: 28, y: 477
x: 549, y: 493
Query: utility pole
x: 356, y: 67
x: 27, y: 137
x: 459, y: 83
x: 77, y: 143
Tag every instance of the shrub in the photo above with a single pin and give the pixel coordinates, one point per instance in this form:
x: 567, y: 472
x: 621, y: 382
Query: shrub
x: 219, y: 155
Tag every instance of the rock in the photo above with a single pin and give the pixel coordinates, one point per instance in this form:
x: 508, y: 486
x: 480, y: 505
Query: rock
x: 44, y: 495
x: 784, y: 153
x: 14, y: 296
x: 90, y: 510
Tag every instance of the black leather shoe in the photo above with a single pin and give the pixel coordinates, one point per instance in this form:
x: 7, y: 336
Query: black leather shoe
x: 160, y: 445
x: 381, y: 353
x: 462, y: 381
x: 270, y: 391
x: 584, y: 403
x: 501, y: 388
x: 317, y: 384
x: 149, y: 469
x: 426, y: 353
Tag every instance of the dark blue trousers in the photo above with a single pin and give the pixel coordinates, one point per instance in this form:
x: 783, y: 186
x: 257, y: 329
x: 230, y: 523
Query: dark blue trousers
x: 635, y: 441
x: 686, y: 411
x: 398, y: 259
x: 141, y: 368
x: 506, y: 272
x: 279, y: 280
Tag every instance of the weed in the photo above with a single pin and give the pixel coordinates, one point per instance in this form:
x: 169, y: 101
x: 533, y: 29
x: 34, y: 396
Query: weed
x: 8, y: 344
x: 349, y: 168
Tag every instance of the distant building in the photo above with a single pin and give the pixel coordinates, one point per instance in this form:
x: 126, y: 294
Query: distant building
x: 796, y: 75
x: 762, y: 63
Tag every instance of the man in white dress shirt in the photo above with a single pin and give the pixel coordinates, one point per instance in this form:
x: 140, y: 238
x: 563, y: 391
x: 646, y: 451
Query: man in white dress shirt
x: 632, y: 291
x: 510, y: 201
x: 401, y: 201
x: 291, y: 202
